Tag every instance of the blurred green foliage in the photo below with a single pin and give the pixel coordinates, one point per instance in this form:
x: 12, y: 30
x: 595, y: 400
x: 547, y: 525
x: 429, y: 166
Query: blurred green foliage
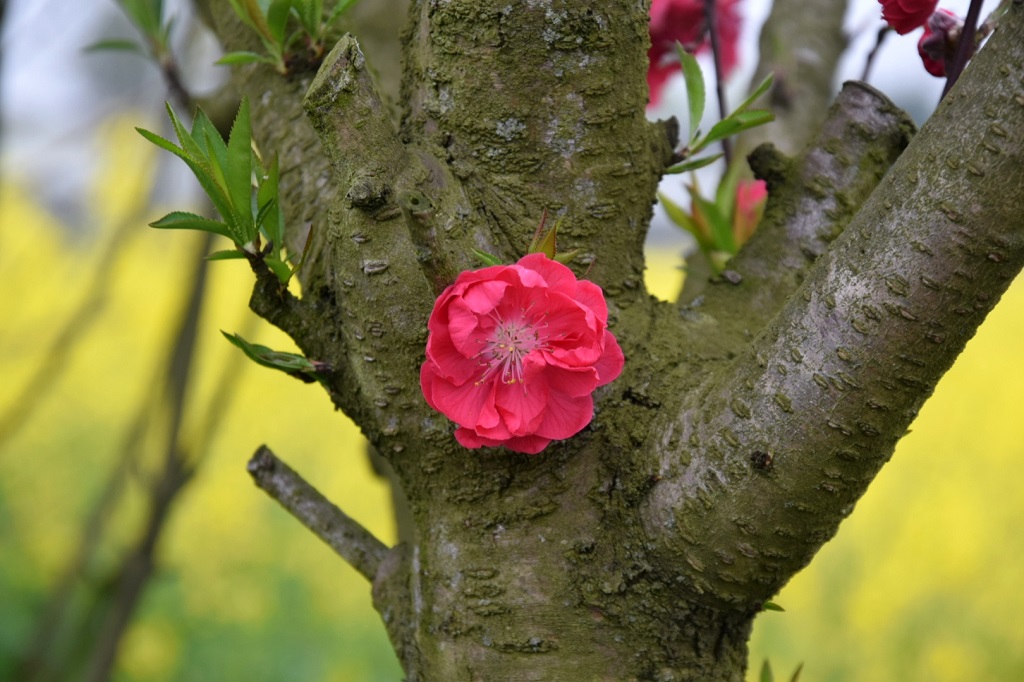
x: 242, y: 591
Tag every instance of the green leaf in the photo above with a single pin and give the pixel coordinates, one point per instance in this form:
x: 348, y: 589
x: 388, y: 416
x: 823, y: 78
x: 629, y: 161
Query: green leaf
x: 566, y: 257
x: 182, y: 220
x: 279, y: 268
x: 486, y: 258
x: 229, y: 254
x: 737, y: 122
x: 681, y: 218
x: 199, y: 166
x: 305, y: 248
x: 289, y: 363
x: 796, y: 673
x: 185, y: 138
x: 771, y: 606
x: 163, y: 143
x: 695, y: 89
x: 547, y: 242
x: 243, y: 57
x: 117, y: 45
x: 766, y: 672
x: 266, y: 210
x: 719, y: 225
x: 277, y: 19
x: 208, y: 139
x: 238, y: 170
x: 692, y: 164
x: 195, y: 158
x: 758, y: 91
x: 250, y: 13
x: 725, y: 195
x: 270, y: 218
x: 305, y: 12
x: 311, y: 15
x: 145, y: 14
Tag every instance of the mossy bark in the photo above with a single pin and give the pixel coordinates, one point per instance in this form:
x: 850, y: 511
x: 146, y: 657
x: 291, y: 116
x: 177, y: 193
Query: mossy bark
x: 746, y: 423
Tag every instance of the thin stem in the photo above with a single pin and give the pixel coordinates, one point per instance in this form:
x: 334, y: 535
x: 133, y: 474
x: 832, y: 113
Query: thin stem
x: 710, y: 16
x: 964, y: 48
x: 342, y: 533
x: 870, y: 61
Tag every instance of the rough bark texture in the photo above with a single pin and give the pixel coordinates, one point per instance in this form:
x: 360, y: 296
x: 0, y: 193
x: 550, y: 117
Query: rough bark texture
x: 746, y: 423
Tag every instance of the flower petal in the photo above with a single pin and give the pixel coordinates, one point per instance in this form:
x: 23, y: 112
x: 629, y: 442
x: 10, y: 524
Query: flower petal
x: 566, y: 416
x: 609, y: 366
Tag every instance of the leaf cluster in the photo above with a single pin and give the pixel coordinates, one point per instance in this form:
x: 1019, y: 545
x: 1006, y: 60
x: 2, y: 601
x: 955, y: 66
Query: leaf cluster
x: 742, y: 117
x: 714, y: 223
x: 244, y: 192
x: 291, y: 31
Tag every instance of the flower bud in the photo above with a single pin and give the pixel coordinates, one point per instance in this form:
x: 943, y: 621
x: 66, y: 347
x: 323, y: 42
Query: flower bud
x: 938, y: 44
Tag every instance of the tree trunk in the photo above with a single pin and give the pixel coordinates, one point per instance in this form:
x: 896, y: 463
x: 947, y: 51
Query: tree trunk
x: 746, y: 423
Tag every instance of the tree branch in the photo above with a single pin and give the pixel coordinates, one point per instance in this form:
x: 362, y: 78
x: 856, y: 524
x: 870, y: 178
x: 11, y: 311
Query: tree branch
x: 811, y: 201
x: 782, y: 444
x: 342, y: 533
x: 347, y: 113
x: 801, y: 43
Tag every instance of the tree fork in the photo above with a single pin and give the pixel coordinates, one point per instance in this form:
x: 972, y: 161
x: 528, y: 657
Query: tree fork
x: 833, y: 382
x: 644, y: 546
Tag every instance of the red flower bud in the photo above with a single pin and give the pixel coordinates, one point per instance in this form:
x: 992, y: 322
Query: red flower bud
x: 937, y: 45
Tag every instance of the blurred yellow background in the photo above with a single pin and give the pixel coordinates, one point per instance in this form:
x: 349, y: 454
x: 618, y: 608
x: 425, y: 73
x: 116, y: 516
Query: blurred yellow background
x: 922, y: 582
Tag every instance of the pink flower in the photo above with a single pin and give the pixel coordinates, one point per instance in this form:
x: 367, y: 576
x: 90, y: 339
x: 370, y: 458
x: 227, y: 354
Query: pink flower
x: 683, y: 21
x: 937, y: 45
x: 906, y: 15
x: 515, y: 352
x: 751, y: 197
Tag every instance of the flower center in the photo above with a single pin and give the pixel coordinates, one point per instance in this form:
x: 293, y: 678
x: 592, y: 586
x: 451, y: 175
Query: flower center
x: 510, y: 342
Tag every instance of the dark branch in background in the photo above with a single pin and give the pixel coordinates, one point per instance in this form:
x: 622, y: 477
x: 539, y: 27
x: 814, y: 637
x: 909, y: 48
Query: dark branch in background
x: 78, y: 635
x: 175, y: 86
x: 965, y: 47
x: 870, y: 60
x: 57, y: 609
x: 342, y: 533
x: 96, y: 634
x: 38, y: 659
x: 711, y: 17
x: 129, y: 580
x: 74, y: 329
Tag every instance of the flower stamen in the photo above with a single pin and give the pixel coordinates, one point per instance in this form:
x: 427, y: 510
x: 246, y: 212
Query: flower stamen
x: 509, y: 344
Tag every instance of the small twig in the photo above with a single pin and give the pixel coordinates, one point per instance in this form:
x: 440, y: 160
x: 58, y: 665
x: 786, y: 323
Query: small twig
x: 965, y: 48
x: 343, y: 534
x: 710, y: 16
x: 870, y: 61
x: 272, y: 301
